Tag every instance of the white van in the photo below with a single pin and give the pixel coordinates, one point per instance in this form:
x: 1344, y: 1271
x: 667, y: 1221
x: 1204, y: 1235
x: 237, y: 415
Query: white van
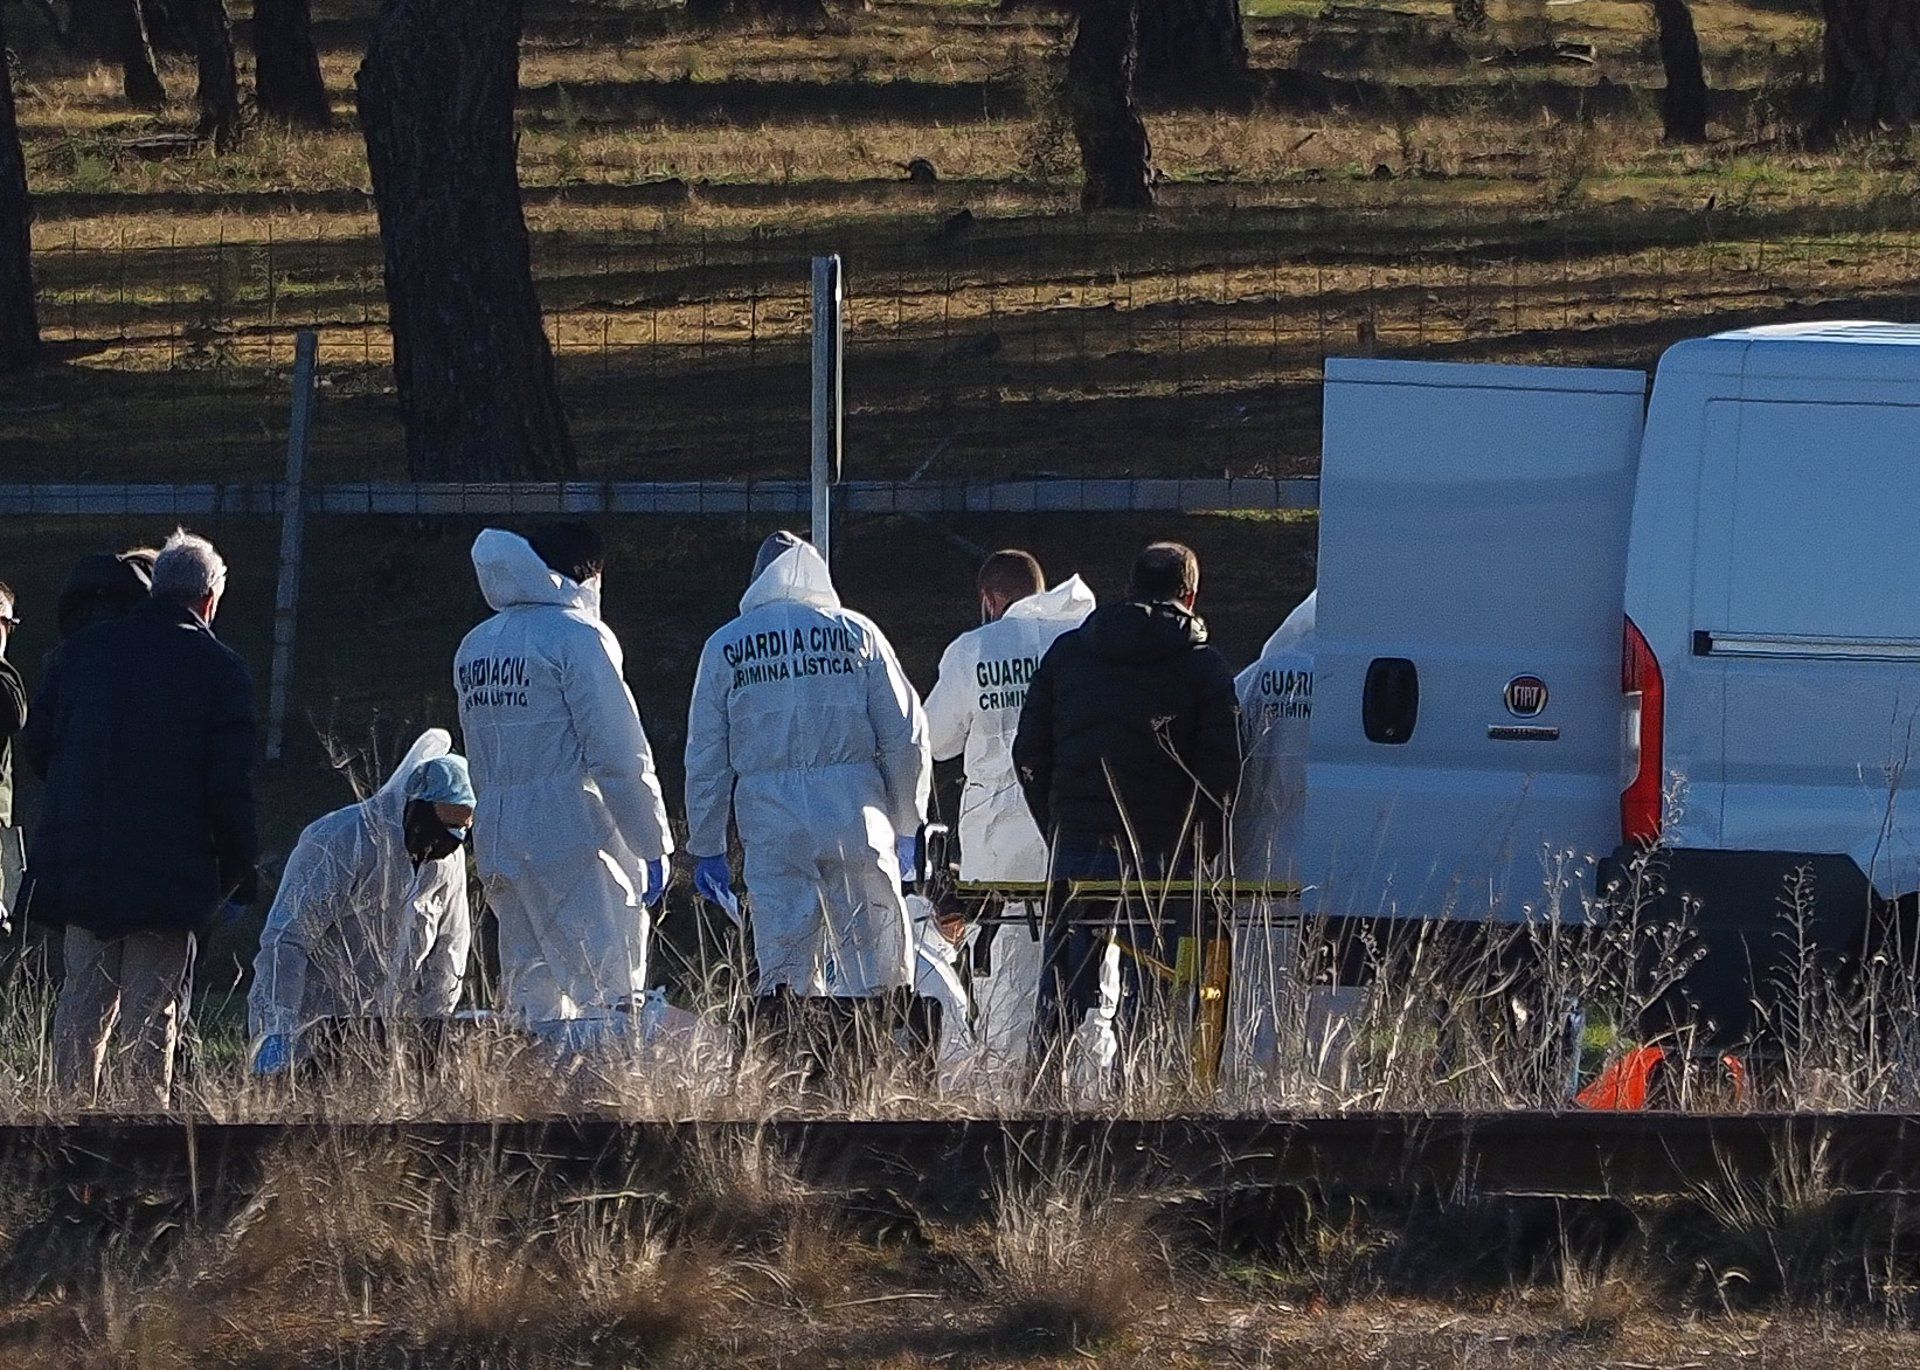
x: 1557, y: 622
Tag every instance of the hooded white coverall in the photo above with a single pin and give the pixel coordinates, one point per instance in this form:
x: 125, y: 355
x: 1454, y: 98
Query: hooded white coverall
x: 804, y: 727
x: 974, y: 712
x: 355, y: 931
x: 570, y: 807
x: 1276, y: 709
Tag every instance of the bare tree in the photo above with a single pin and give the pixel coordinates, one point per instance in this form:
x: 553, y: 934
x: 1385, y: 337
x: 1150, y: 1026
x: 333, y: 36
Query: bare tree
x: 288, y: 84
x: 1116, y: 156
x: 218, y: 92
x: 470, y: 355
x: 1192, y: 50
x: 1872, y: 64
x: 19, y: 319
x: 1683, y: 104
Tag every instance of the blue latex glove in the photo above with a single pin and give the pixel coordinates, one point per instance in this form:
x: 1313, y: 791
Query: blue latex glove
x: 658, y: 873
x: 275, y: 1056
x: 909, y: 851
x: 713, y: 878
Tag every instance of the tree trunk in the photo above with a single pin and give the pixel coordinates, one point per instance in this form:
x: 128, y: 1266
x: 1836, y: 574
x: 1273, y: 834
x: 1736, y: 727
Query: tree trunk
x: 116, y: 31
x: 1872, y: 64
x: 219, y: 76
x: 470, y: 356
x: 288, y: 85
x: 1192, y: 50
x: 1683, y: 104
x: 1115, y: 154
x: 19, y: 320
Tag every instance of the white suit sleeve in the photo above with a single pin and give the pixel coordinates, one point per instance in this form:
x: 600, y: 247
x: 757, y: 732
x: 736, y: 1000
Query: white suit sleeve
x: 619, y: 757
x: 900, y: 735
x: 710, y: 773
x: 305, y: 908
x: 432, y: 962
x: 950, y: 706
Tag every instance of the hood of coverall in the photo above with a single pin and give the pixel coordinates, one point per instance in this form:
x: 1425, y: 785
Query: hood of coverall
x: 798, y: 575
x: 386, y: 807
x: 1295, y: 628
x: 511, y: 573
x: 1071, y: 599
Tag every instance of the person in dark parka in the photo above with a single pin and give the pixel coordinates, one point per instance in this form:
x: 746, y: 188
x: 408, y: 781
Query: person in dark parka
x: 1128, y: 753
x: 143, y: 730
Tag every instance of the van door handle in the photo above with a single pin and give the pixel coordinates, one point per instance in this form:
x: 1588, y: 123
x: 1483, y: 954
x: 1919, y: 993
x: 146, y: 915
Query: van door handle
x: 1390, y: 706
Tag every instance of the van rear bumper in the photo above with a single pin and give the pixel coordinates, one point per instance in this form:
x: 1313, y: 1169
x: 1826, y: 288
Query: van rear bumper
x: 1737, y: 910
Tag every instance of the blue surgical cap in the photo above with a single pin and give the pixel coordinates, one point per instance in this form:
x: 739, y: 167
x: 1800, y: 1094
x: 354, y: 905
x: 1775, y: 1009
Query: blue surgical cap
x: 443, y: 780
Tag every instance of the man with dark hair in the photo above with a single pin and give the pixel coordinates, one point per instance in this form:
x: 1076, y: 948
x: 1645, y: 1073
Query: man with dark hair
x: 571, y: 836
x: 973, y: 713
x: 143, y: 730
x: 1128, y: 752
x: 102, y: 587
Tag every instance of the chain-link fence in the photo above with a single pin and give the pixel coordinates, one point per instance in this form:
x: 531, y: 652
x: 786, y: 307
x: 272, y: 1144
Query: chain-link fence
x: 982, y: 348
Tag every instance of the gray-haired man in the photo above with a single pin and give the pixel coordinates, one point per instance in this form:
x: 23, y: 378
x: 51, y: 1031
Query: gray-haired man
x: 143, y: 731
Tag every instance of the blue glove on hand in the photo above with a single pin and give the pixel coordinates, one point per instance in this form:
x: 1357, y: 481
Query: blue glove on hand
x: 275, y: 1056
x: 658, y: 873
x: 909, y: 850
x: 714, y: 881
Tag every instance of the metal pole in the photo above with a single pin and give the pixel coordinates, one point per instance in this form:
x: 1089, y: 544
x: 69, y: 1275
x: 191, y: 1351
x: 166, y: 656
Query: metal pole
x: 293, y: 518
x: 828, y: 302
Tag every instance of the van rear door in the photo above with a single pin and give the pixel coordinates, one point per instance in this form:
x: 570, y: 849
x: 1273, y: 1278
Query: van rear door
x: 1467, y: 717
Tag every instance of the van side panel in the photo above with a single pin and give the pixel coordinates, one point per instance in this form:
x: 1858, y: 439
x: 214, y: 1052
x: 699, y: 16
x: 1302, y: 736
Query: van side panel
x: 1472, y: 546
x: 1820, y: 639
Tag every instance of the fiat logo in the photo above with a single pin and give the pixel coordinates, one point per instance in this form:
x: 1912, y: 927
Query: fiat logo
x: 1526, y: 696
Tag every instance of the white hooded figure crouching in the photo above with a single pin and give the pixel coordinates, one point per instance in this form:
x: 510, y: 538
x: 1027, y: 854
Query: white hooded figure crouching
x: 371, y: 920
x: 571, y: 839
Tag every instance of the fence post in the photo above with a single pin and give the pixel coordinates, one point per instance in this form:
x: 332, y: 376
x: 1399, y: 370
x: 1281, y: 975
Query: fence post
x: 828, y: 302
x: 293, y: 518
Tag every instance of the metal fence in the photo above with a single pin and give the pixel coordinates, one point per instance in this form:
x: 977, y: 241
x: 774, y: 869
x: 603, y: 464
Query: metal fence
x: 979, y: 349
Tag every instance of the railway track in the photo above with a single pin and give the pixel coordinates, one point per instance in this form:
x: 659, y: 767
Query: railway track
x: 955, y: 1167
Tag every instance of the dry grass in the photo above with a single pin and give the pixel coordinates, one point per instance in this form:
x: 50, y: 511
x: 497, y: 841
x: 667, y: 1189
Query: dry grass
x: 381, y: 1257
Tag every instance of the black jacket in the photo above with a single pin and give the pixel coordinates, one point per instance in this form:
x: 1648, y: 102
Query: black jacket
x: 143, y: 730
x: 1132, y: 711
x: 13, y: 717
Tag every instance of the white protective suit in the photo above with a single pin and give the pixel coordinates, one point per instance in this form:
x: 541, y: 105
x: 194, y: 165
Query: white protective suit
x: 804, y: 727
x: 355, y: 931
x: 974, y: 712
x: 1276, y: 709
x: 570, y: 807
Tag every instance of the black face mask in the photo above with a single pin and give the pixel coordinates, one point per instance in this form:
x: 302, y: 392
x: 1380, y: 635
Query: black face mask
x: 429, y: 839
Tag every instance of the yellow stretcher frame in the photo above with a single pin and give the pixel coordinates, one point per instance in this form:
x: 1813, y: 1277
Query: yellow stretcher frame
x: 1038, y: 889
x: 1206, y: 963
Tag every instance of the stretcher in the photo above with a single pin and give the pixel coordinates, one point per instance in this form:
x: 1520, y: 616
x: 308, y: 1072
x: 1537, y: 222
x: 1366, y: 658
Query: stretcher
x: 1200, y: 974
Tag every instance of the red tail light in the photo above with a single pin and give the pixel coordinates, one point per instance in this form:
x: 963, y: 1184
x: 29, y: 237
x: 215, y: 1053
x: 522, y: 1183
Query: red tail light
x: 1643, y: 738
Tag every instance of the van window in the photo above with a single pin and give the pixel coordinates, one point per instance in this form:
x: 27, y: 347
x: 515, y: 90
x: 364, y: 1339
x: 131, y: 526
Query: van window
x: 1826, y: 521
